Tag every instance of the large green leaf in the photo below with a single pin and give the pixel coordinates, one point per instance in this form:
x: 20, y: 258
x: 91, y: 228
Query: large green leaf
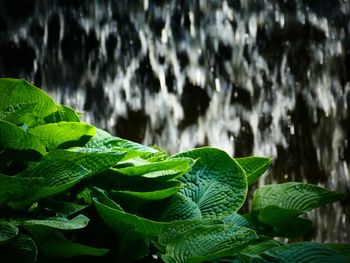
x: 206, y: 242
x: 164, y: 170
x: 94, y: 161
x: 341, y: 249
x: 12, y: 187
x: 53, y: 243
x: 63, y: 113
x: 15, y: 139
x: 259, y: 246
x: 77, y: 222
x: 64, y: 208
x: 216, y: 184
x: 238, y: 220
x: 294, y: 195
x: 151, y: 190
x: 283, y: 222
x: 54, y: 177
x: 20, y: 101
x: 60, y: 170
x: 177, y: 229
x: 103, y: 140
x: 63, y: 134
x: 181, y: 208
x: 279, y: 206
x: 20, y: 249
x: 132, y: 229
x: 304, y: 252
x: 7, y: 231
x: 121, y: 221
x: 254, y: 167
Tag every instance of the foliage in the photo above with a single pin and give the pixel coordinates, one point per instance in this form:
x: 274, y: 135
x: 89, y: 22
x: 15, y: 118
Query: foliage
x: 71, y: 190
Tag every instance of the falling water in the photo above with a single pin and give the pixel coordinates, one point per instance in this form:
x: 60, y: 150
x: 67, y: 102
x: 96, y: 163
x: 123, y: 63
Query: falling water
x: 266, y: 77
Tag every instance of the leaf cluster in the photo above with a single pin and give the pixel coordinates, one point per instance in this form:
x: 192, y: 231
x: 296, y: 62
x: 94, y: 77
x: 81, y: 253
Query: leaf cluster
x: 70, y: 190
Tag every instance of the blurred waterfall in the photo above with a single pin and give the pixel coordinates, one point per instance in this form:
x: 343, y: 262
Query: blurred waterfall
x: 265, y: 77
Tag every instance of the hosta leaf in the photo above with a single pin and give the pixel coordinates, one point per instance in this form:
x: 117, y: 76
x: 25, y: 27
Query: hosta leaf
x: 304, y: 252
x: 103, y: 140
x: 206, y: 242
x: 7, y: 231
x: 181, y: 208
x: 283, y: 222
x: 120, y: 221
x: 165, y: 170
x: 259, y: 246
x: 63, y: 113
x: 294, y: 195
x: 19, y: 249
x: 279, y: 207
x: 238, y: 220
x: 64, y: 208
x: 59, y: 170
x: 55, y: 177
x: 53, y: 243
x: 152, y: 190
x: 179, y: 228
x: 12, y: 187
x: 77, y: 222
x: 19, y: 99
x: 19, y: 114
x: 14, y: 138
x: 216, y: 184
x: 341, y: 249
x: 63, y: 134
x: 95, y: 161
x: 254, y: 167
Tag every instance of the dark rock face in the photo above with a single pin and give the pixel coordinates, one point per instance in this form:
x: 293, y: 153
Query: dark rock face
x: 251, y: 77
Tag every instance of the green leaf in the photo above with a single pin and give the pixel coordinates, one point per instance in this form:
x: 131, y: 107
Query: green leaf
x: 276, y: 208
x: 64, y: 113
x: 53, y: 178
x: 238, y: 220
x: 181, y: 208
x: 94, y: 161
x: 179, y: 228
x: 20, y: 114
x: 216, y: 184
x: 254, y: 167
x: 21, y: 249
x: 259, y: 246
x: 284, y: 222
x: 103, y: 140
x: 60, y: 170
x: 164, y: 170
x: 64, y: 208
x: 121, y: 221
x: 303, y: 252
x: 341, y: 249
x: 63, y: 134
x: 53, y: 243
x: 12, y: 187
x: 14, y: 138
x: 206, y: 242
x: 7, y: 231
x: 77, y: 222
x: 294, y: 195
x: 20, y: 101
x: 152, y: 190
x: 131, y: 228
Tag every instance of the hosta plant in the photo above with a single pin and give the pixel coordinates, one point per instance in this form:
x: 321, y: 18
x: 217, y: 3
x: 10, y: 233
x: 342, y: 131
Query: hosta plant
x: 71, y: 191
